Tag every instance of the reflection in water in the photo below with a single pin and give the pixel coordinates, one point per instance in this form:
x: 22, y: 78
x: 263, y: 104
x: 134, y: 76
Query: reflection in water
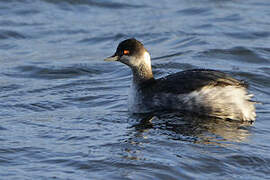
x: 205, y: 130
x: 167, y: 130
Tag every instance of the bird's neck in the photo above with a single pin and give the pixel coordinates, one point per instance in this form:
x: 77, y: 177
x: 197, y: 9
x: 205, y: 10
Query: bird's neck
x: 142, y: 74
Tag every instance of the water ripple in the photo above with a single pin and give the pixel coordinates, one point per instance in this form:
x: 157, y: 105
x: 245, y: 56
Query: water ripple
x: 248, y: 35
x: 101, y: 39
x: 194, y: 11
x: 250, y: 162
x: 6, y: 34
x: 53, y: 72
x: 64, y: 111
x: 237, y: 53
x: 109, y: 5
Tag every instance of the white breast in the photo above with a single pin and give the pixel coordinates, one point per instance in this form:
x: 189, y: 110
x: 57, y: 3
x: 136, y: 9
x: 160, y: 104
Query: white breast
x: 135, y: 101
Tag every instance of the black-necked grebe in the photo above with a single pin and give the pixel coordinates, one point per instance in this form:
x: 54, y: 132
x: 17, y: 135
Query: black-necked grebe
x: 200, y: 91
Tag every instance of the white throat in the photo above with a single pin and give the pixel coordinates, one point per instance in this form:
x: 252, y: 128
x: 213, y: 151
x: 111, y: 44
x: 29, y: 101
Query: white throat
x: 147, y: 59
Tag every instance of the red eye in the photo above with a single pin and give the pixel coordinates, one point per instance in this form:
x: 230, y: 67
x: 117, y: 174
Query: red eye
x: 126, y: 52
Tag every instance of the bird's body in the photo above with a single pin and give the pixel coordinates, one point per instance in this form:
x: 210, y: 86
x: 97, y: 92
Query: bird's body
x: 209, y: 92
x: 198, y: 91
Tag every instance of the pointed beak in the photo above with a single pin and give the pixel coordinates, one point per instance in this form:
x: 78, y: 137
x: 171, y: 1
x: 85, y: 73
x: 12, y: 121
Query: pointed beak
x: 112, y: 58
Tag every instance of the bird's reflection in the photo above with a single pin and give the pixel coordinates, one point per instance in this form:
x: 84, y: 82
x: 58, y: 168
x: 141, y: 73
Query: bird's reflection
x: 155, y: 128
x: 196, y: 129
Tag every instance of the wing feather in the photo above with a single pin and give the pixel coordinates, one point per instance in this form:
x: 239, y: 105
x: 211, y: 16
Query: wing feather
x: 190, y: 80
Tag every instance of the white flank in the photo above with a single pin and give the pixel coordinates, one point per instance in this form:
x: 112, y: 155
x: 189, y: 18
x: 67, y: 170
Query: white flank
x: 232, y: 102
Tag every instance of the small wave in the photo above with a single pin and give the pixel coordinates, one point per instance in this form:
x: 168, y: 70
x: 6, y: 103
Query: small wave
x: 266, y: 70
x: 11, y: 87
x: 258, y: 79
x: 228, y: 18
x: 168, y: 56
x: 13, y: 23
x: 53, y: 72
x: 92, y: 40
x: 6, y: 34
x: 27, y: 12
x: 110, y: 5
x: 193, y: 11
x: 237, y: 53
x: 250, y: 162
x: 174, y: 65
x: 248, y: 35
x: 35, y: 107
x: 2, y: 128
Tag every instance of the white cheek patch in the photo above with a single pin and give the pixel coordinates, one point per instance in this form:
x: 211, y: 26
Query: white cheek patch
x: 147, y: 59
x: 134, y: 61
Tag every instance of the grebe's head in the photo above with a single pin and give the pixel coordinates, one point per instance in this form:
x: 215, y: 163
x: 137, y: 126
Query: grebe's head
x: 132, y: 53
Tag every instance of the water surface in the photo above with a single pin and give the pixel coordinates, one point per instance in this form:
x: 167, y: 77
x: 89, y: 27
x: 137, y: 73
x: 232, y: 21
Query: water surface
x: 64, y: 110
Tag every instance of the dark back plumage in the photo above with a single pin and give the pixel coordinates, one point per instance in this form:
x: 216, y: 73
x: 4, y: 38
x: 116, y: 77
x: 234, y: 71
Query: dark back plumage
x: 190, y: 80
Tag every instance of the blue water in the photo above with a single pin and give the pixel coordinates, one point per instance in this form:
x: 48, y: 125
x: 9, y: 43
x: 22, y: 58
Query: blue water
x: 63, y: 110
